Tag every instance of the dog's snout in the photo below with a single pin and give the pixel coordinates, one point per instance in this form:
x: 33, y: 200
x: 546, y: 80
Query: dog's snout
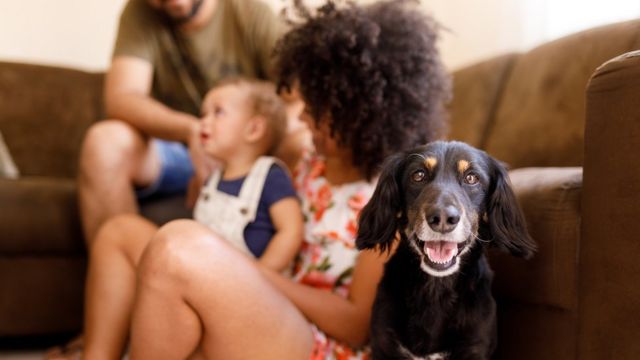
x: 443, y: 219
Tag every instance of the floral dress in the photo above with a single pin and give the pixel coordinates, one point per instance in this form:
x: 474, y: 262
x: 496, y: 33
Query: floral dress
x: 328, y: 254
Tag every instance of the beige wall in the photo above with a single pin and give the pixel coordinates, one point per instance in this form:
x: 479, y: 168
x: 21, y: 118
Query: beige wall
x: 79, y: 33
x: 73, y: 33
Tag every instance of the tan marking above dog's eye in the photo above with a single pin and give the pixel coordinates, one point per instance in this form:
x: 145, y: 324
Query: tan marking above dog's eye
x: 431, y: 162
x: 471, y: 179
x: 418, y: 175
x: 463, y: 165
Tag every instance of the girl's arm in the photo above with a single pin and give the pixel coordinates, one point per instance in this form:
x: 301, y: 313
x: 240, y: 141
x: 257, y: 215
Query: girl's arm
x: 346, y: 319
x: 286, y: 216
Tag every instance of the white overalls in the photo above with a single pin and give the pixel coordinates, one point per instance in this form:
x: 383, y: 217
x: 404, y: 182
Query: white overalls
x: 229, y: 215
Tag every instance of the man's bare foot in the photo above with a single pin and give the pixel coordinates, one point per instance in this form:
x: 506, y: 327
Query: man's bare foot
x: 70, y: 351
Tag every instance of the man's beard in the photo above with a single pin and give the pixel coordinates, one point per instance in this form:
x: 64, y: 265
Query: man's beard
x: 197, y: 4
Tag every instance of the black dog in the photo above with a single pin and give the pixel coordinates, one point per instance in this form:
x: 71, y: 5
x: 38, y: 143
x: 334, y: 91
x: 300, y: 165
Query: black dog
x: 447, y: 201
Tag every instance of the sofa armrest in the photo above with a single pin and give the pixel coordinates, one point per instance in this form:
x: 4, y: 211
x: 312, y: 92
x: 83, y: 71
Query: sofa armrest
x: 609, y: 265
x: 550, y: 200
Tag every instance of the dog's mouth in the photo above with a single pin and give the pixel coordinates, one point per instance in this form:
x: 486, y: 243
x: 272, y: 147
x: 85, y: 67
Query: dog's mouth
x: 441, y: 257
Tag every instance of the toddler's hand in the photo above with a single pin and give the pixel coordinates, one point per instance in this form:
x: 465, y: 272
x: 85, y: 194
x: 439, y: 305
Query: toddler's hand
x: 193, y: 191
x: 203, y: 164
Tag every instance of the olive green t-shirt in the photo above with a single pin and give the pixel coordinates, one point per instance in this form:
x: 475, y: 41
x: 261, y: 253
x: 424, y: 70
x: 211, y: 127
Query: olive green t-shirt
x: 238, y: 40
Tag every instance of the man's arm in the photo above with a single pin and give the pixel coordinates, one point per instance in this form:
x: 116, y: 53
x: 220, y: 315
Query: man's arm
x: 127, y: 89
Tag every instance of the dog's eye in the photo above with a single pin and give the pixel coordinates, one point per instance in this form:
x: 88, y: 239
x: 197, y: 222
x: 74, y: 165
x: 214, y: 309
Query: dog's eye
x: 471, y: 179
x: 418, y: 176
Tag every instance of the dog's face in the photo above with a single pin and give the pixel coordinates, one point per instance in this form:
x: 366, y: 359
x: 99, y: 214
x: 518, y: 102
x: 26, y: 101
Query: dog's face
x: 445, y: 191
x: 444, y: 197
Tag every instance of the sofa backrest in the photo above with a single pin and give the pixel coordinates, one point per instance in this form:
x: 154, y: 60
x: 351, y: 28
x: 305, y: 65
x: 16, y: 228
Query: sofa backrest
x: 528, y: 109
x: 44, y: 113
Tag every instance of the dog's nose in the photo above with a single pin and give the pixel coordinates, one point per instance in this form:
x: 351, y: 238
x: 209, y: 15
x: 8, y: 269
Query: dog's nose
x: 444, y: 220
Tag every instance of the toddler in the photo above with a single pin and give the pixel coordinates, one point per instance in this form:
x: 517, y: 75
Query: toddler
x: 249, y: 199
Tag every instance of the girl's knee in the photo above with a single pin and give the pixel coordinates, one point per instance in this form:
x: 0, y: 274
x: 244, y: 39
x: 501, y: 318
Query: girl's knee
x: 177, y: 247
x: 127, y: 234
x: 187, y: 235
x: 181, y: 235
x: 112, y: 233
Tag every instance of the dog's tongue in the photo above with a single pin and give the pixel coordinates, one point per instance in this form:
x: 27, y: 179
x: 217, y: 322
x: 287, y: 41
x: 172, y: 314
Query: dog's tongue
x: 441, y: 251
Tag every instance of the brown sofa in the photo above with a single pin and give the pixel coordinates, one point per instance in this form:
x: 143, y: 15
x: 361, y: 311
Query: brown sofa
x: 574, y: 300
x: 577, y: 176
x: 44, y: 113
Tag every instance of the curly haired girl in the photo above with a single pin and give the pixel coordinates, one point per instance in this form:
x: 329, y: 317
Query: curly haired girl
x: 373, y: 84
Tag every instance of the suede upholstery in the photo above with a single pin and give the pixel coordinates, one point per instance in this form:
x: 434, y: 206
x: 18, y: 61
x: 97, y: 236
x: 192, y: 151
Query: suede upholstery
x: 478, y: 88
x: 577, y: 181
x: 576, y: 297
x: 44, y: 113
x: 610, y: 298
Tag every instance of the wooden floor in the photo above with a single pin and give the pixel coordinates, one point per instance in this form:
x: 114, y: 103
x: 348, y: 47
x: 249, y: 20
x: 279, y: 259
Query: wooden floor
x: 21, y: 355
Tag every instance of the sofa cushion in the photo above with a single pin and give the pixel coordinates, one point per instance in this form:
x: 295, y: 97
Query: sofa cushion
x: 39, y: 216
x: 476, y: 91
x: 550, y: 200
x: 544, y: 99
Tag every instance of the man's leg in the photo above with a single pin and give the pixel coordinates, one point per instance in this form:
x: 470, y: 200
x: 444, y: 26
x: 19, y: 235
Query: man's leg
x: 197, y: 295
x: 114, y: 157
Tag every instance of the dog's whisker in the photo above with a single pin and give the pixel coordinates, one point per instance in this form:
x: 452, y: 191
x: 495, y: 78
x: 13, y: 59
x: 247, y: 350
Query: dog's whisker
x: 481, y: 240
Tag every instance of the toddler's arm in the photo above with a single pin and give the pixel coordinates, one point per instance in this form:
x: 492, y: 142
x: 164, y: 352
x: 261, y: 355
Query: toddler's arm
x: 286, y: 216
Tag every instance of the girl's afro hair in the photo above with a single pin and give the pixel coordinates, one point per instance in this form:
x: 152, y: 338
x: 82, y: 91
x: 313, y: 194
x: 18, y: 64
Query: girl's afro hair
x: 374, y: 69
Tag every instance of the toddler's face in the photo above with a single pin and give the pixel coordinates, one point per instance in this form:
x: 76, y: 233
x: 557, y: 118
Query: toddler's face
x: 225, y: 116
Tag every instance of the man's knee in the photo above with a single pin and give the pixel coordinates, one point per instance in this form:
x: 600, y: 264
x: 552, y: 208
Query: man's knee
x: 109, y: 143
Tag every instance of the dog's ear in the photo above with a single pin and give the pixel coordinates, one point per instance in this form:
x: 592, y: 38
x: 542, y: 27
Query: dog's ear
x: 379, y: 219
x: 505, y: 219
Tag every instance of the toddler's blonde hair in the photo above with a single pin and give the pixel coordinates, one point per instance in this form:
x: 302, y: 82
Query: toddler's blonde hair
x: 265, y: 102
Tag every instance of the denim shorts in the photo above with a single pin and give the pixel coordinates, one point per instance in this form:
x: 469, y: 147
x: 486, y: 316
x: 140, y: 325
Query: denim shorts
x: 176, y: 170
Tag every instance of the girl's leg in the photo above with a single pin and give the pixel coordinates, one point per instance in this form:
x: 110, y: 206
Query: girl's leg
x: 198, y: 296
x: 111, y: 284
